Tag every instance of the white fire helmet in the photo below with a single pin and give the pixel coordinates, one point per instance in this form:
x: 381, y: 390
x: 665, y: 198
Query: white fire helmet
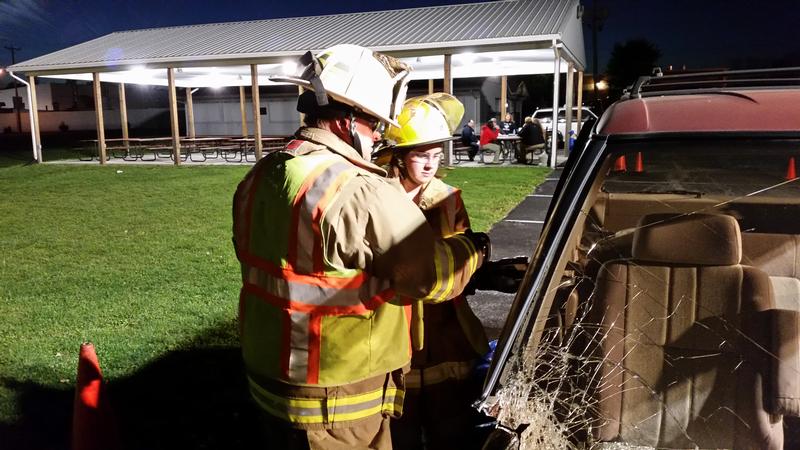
x: 371, y: 82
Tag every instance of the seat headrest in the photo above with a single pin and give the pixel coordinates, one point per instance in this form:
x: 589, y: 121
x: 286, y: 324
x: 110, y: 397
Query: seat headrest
x: 696, y: 239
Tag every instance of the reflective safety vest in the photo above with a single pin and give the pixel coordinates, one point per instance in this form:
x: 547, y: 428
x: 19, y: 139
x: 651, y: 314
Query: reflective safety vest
x: 304, y: 321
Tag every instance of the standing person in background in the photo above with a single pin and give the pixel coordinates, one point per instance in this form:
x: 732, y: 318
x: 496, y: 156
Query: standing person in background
x: 508, y: 126
x: 447, y: 337
x: 468, y: 137
x: 531, y: 139
x: 324, y: 261
x: 489, y: 133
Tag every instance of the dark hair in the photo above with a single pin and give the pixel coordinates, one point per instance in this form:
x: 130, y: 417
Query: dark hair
x: 307, y: 104
x: 490, y: 124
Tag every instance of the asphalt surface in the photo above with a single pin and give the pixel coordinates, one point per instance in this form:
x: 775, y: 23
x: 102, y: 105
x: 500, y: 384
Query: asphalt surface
x: 515, y: 235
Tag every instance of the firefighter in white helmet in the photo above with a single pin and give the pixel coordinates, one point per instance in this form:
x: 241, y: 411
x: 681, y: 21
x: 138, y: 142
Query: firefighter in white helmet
x: 326, y: 245
x: 439, y: 387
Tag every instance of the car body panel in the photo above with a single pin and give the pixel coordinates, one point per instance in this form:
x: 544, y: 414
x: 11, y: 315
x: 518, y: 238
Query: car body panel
x: 758, y: 110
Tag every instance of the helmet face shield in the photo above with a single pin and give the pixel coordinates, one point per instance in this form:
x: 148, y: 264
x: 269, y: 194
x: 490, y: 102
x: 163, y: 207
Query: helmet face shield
x: 371, y: 83
x: 426, y: 120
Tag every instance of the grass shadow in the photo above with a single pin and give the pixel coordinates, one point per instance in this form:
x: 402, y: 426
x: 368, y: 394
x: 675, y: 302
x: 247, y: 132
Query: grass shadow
x: 195, y: 398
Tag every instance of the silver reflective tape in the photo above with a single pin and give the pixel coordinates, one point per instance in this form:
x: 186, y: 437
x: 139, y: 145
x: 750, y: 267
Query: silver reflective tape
x: 298, y: 347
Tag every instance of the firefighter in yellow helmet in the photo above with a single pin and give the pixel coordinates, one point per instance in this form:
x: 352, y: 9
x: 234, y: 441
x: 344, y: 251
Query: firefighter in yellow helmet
x: 326, y: 246
x: 439, y: 387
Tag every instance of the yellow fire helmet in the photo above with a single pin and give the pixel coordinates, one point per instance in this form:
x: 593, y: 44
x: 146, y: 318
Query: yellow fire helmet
x: 426, y: 120
x: 370, y: 82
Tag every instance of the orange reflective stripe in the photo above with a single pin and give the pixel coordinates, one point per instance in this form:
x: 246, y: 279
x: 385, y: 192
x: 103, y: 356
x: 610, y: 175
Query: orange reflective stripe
x: 327, y: 310
x: 312, y: 279
x: 302, y: 331
x: 247, y: 190
x: 314, y: 343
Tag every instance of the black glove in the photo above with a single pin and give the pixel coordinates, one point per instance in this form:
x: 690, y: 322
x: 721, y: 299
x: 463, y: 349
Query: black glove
x: 481, y: 242
x: 503, y: 275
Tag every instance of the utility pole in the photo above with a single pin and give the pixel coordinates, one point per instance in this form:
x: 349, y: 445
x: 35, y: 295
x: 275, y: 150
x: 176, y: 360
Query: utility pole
x: 596, y: 19
x: 13, y: 51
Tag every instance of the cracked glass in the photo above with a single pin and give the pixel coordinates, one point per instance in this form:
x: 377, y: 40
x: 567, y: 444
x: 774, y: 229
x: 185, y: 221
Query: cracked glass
x: 672, y: 319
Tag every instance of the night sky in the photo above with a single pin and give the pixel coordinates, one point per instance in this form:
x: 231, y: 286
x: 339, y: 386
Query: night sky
x: 695, y: 33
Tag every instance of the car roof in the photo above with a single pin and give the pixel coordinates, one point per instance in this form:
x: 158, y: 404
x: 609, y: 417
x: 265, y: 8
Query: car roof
x: 765, y: 110
x: 585, y: 108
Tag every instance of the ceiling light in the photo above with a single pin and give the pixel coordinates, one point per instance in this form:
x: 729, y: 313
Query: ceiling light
x: 289, y: 67
x: 467, y: 58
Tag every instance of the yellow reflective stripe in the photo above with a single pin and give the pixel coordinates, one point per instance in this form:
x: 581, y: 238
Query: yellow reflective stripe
x: 324, y: 410
x: 444, y: 263
x: 473, y: 254
x: 451, y: 267
x: 438, y: 265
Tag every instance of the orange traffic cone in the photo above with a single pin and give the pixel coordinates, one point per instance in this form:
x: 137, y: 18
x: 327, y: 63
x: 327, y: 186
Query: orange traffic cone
x: 620, y: 165
x: 639, y: 168
x: 93, y: 427
x: 791, y: 171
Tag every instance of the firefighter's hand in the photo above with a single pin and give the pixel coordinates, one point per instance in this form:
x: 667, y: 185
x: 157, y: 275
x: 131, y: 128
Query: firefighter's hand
x: 481, y: 242
x: 503, y: 275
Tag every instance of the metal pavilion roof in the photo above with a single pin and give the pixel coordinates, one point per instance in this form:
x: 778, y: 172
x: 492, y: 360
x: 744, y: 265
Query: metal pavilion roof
x: 485, y: 26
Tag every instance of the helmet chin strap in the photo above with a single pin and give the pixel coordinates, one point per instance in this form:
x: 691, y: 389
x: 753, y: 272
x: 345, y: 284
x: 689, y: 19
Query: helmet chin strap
x: 354, y: 136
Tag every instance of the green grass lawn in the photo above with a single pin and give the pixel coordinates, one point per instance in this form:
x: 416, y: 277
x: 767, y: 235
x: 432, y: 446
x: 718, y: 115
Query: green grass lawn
x: 139, y: 261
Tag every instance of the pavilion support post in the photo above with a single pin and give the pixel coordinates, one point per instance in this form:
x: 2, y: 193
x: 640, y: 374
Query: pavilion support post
x: 98, y: 116
x: 503, y: 98
x: 242, y: 111
x: 554, y: 121
x: 302, y: 116
x: 430, y: 86
x: 568, y: 105
x: 173, y: 117
x: 256, y: 111
x: 190, y: 131
x: 123, y: 118
x: 448, y: 89
x: 34, y: 112
x: 579, y: 102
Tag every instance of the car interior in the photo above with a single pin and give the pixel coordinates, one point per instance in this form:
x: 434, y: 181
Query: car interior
x: 673, y: 320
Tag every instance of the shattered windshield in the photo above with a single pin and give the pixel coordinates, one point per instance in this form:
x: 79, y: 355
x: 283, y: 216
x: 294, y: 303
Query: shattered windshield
x: 673, y: 318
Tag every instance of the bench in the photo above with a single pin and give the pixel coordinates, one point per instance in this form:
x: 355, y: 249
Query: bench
x: 460, y: 152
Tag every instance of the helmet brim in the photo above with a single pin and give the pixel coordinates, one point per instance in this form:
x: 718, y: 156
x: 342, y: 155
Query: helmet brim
x: 424, y: 143
x: 305, y: 84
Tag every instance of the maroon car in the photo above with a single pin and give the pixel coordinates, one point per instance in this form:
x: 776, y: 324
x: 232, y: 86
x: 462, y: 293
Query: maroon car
x: 661, y: 308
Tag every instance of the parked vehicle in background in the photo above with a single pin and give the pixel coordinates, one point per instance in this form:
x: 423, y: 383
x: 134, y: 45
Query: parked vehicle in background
x: 545, y: 116
x: 661, y: 307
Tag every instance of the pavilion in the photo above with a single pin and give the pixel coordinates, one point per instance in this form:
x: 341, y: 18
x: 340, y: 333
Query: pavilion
x: 496, y: 38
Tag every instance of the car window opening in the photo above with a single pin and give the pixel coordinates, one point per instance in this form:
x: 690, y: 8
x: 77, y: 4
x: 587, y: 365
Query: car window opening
x: 673, y: 318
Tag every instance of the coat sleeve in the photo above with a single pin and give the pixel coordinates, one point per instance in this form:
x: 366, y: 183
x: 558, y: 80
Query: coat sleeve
x: 388, y: 236
x: 461, y: 216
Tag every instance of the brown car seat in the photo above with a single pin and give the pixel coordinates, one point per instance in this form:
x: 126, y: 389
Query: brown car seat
x: 683, y: 343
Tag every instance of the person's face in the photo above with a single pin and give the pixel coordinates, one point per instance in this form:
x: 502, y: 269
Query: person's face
x: 367, y: 130
x: 508, y: 117
x: 471, y: 123
x: 422, y: 163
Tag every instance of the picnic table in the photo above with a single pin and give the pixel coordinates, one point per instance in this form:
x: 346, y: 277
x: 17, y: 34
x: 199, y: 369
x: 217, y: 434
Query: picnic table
x: 509, y: 146
x: 197, y: 149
